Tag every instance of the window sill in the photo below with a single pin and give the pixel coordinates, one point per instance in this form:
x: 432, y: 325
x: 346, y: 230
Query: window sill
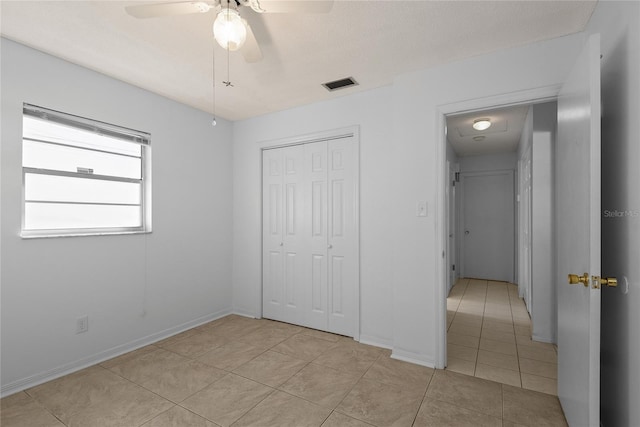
x: 51, y: 235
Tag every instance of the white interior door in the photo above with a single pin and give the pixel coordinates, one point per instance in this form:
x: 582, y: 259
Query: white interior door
x: 488, y: 225
x: 311, y: 236
x: 285, y: 260
x: 296, y: 248
x: 316, y: 210
x: 272, y: 234
x: 578, y: 238
x: 342, y: 244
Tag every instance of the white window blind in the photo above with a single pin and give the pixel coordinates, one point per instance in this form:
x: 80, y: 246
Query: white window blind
x: 82, y: 176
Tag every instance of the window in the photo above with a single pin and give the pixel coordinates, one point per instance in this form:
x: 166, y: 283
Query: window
x: 82, y: 177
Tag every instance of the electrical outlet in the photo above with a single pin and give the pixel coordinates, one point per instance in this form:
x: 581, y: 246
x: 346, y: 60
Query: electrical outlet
x: 82, y: 324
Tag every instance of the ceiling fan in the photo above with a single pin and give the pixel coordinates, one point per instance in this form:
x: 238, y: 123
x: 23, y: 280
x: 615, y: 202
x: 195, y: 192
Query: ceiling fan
x: 230, y: 30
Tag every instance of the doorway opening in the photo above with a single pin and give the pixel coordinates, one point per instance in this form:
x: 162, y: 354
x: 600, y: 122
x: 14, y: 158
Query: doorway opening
x: 501, y: 308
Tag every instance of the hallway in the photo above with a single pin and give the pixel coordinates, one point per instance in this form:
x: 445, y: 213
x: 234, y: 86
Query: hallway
x: 489, y: 336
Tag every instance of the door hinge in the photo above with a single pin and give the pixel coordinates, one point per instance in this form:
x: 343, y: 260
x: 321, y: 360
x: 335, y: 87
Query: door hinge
x: 453, y: 267
x: 457, y: 175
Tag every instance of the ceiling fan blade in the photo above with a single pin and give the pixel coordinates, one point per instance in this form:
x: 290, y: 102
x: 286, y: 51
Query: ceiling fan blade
x: 251, y: 50
x: 293, y: 6
x: 168, y: 9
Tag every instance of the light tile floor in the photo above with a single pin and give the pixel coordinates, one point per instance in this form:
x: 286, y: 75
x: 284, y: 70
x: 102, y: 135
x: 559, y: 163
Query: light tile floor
x: 245, y: 372
x: 489, y: 336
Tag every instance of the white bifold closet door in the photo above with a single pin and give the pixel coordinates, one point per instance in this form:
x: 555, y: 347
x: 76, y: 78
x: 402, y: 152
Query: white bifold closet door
x: 310, y: 235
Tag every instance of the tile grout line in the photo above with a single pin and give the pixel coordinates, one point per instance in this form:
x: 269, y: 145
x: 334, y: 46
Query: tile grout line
x: 273, y: 390
x: 484, y: 309
x: 351, y: 389
x: 484, y: 319
x: 513, y: 322
x: 44, y: 407
x: 424, y: 398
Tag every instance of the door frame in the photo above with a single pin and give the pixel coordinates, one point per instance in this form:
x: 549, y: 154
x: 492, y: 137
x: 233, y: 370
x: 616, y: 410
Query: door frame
x: 524, y: 223
x: 328, y: 135
x: 529, y: 96
x: 452, y: 257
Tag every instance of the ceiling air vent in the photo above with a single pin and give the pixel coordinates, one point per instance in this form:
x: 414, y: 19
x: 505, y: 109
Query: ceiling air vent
x: 340, y: 84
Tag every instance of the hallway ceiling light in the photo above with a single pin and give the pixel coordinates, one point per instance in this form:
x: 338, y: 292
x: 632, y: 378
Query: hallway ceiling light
x: 481, y: 124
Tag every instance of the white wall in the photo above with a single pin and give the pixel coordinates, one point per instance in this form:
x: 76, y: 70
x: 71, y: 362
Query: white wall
x: 400, y: 297
x: 523, y: 203
x: 451, y: 155
x: 619, y: 25
x: 418, y: 98
x: 134, y: 288
x: 370, y: 111
x: 538, y: 290
x: 544, y: 302
x: 488, y: 162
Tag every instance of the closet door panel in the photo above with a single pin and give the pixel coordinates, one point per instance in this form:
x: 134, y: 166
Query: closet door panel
x: 342, y: 236
x: 316, y: 211
x: 272, y: 238
x: 296, y: 262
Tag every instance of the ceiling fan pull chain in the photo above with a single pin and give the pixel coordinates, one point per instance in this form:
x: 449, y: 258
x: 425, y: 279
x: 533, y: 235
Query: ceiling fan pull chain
x: 228, y: 82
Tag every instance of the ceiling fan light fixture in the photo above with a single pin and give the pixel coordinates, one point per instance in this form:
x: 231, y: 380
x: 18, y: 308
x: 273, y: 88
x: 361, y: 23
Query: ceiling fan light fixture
x: 481, y: 124
x: 229, y: 29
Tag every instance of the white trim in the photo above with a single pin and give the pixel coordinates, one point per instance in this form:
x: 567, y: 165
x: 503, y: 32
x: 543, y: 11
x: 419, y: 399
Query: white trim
x: 539, y: 338
x: 528, y: 96
x: 245, y: 314
x: 85, y: 362
x: 442, y: 270
x: 523, y: 97
x: 356, y: 208
x: 312, y: 137
x: 415, y: 358
x: 376, y: 342
x: 47, y: 235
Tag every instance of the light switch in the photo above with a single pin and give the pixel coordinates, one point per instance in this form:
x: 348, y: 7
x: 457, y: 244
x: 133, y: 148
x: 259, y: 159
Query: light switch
x: 421, y: 209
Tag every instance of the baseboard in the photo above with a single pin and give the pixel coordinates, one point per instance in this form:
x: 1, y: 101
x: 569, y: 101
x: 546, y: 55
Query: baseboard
x: 407, y: 356
x: 545, y: 339
x: 244, y: 314
x: 376, y: 341
x: 52, y: 374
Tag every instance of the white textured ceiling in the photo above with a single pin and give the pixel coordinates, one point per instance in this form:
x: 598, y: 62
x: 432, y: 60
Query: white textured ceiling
x: 373, y: 41
x: 502, y: 136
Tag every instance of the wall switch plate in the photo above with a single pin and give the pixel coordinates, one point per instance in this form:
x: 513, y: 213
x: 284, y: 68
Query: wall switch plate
x: 82, y: 324
x: 421, y: 208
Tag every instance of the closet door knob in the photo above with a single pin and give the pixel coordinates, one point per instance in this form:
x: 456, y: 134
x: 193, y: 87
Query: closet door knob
x: 330, y: 246
x: 281, y: 244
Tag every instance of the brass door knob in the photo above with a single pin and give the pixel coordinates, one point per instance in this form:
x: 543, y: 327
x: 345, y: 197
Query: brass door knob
x: 574, y: 279
x: 598, y: 281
